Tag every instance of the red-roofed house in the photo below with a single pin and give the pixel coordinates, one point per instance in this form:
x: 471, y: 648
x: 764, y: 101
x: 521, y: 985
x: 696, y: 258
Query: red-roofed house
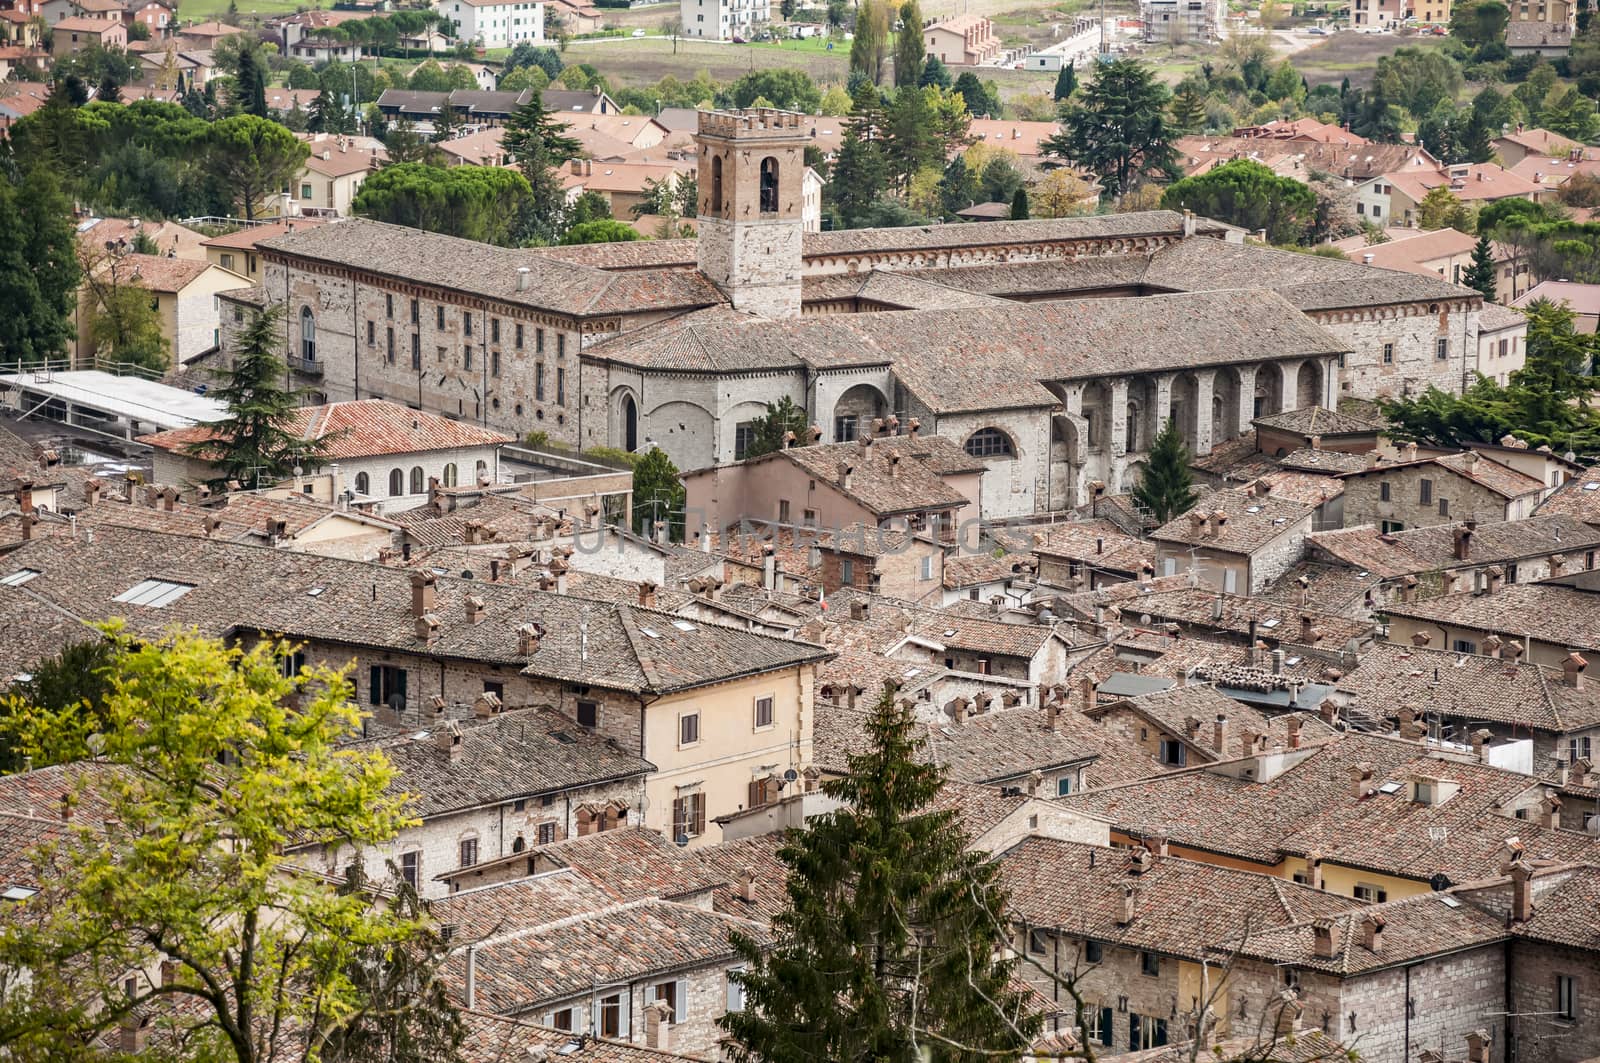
x: 77, y: 33
x: 1392, y: 198
x: 185, y: 297
x: 384, y: 449
x: 236, y: 251
x: 1442, y: 252
x: 965, y: 40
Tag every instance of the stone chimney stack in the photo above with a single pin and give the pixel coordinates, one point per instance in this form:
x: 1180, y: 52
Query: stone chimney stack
x: 449, y: 739
x: 1360, y: 780
x: 1326, y: 939
x: 1558, y: 564
x: 528, y: 636
x: 1572, y: 670
x: 647, y: 594
x: 1294, y: 732
x: 423, y: 587
x: 474, y: 609
x: 1128, y: 910
x: 1478, y: 1046
x: 1372, y: 932
x: 1219, y: 735
x: 1550, y: 812
x: 1314, y: 870
x: 1521, y: 891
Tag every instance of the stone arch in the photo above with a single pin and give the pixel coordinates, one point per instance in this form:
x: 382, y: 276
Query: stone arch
x: 624, y: 431
x: 716, y: 184
x: 418, y: 485
x: 1185, y: 411
x: 992, y: 444
x: 1308, y: 384
x: 1066, y: 458
x: 1141, y: 413
x: 854, y: 411
x: 687, y: 432
x: 1225, y: 405
x: 1269, y: 390
x: 363, y: 484
x: 769, y: 185
x: 1097, y: 415
x: 308, y: 335
x: 397, y: 483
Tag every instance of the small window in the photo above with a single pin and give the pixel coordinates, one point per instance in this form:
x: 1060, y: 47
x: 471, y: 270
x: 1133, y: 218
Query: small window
x: 561, y: 384
x: 519, y: 335
x: 847, y: 571
x: 372, y: 333
x: 1369, y: 894
x: 1388, y: 354
x: 438, y: 316
x: 466, y: 358
x: 764, y: 712
x: 363, y: 484
x: 153, y: 593
x: 1425, y: 492
x: 388, y: 304
x: 688, y: 728
x: 1566, y: 998
x: 418, y: 485
x: 589, y: 714
x: 397, y: 483
x: 411, y: 868
x: 1383, y: 491
x: 450, y: 474
x: 1173, y: 753
x: 538, y: 377
x: 1444, y: 507
x: 416, y: 352
x: 494, y: 330
x: 1441, y: 348
x: 416, y: 312
x: 547, y: 833
x: 494, y: 363
x: 689, y: 816
x: 538, y: 341
x: 1064, y: 786
x: 783, y: 511
x: 1038, y: 942
x: 1150, y: 964
x: 989, y: 443
x: 744, y: 437
x: 1093, y: 952
x: 469, y: 851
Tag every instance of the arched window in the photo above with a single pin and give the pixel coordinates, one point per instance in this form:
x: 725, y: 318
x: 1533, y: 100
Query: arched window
x: 308, y: 335
x: 769, y: 185
x: 480, y: 472
x: 450, y: 474
x: 1133, y: 426
x: 716, y: 184
x: 989, y: 443
x: 397, y: 483
x: 518, y: 844
x: 417, y: 485
x: 363, y: 484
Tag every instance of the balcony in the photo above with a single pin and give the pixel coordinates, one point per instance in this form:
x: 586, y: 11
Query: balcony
x: 306, y: 366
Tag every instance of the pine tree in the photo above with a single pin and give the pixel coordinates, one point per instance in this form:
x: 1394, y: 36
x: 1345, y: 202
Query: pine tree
x: 109, y: 91
x: 1188, y: 109
x: 860, y: 173
x: 894, y: 941
x: 253, y: 443
x: 769, y: 430
x: 1481, y: 274
x: 541, y: 146
x: 1019, y: 205
x: 1066, y: 82
x: 1118, y: 128
x: 1166, y: 487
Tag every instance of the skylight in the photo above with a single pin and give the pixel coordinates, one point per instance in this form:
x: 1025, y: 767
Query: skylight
x: 17, y: 893
x: 1593, y: 485
x: 19, y: 577
x: 649, y: 633
x: 684, y: 625
x: 1270, y: 622
x: 154, y: 593
x: 315, y: 592
x: 1389, y: 788
x: 1449, y: 902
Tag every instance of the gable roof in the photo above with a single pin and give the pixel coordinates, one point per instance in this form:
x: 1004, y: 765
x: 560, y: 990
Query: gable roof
x: 358, y: 429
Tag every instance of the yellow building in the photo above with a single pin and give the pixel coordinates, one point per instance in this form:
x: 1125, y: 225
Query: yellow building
x: 182, y: 290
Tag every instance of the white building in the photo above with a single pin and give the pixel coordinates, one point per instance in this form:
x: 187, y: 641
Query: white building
x: 1177, y: 21
x: 724, y: 19
x: 494, y: 23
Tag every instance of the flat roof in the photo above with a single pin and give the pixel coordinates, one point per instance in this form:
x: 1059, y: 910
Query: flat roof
x: 130, y: 397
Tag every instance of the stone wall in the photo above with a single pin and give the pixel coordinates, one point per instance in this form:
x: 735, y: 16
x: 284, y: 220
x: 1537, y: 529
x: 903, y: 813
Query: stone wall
x: 1544, y: 1037
x: 1413, y: 331
x: 1468, y: 500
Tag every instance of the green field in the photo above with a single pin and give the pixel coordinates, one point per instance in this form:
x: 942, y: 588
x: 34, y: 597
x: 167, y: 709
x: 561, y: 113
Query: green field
x: 209, y: 10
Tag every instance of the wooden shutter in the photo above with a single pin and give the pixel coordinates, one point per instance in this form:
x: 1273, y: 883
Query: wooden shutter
x: 374, y: 685
x: 680, y: 817
x: 700, y: 813
x: 756, y: 794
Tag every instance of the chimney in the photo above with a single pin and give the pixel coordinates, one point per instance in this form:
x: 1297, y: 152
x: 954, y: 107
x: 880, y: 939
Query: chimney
x: 487, y: 705
x: 1360, y: 780
x: 1578, y: 771
x: 1572, y: 670
x: 423, y: 586
x: 1127, y: 913
x: 1550, y: 812
x: 1495, y: 574
x: 1277, y: 661
x: 1250, y: 643
x: 1372, y: 932
x: 1308, y: 631
x: 471, y: 993
x: 1328, y: 711
x: 91, y: 490
x: 913, y: 426
x: 1219, y: 735
x: 1521, y: 891
x: 169, y: 498
x: 958, y: 710
x: 448, y: 738
x: 1314, y: 869
x: 1086, y: 688
x: 1492, y: 645
x: 769, y: 568
x: 28, y: 521
x: 846, y: 471
x: 132, y: 1033
x: 64, y: 804
x: 1191, y: 728
x: 747, y: 885
x: 427, y: 627
x: 657, y: 1024
x: 647, y: 594
x: 1558, y: 564
x: 1156, y: 845
x: 1512, y: 651
x: 1480, y: 743
x: 1325, y: 934
x: 1366, y: 259
x: 1294, y: 732
x: 894, y: 465
x: 1199, y: 523
x: 528, y: 636
x: 1409, y: 728
x: 474, y: 605
x: 1421, y: 639
x: 1052, y: 713
x: 1463, y: 537
x: 1219, y: 520
x: 1478, y: 1046
x: 859, y: 609
x: 1409, y: 452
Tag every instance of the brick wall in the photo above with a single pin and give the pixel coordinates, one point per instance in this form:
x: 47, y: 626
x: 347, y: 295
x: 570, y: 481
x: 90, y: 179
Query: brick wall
x: 1543, y: 1037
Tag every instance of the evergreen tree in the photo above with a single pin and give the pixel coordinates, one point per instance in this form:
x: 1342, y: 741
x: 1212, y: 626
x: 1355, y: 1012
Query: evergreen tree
x: 658, y: 494
x: 908, y: 49
x: 69, y: 691
x: 1188, y: 108
x: 38, y: 267
x: 109, y: 91
x: 539, y: 143
x: 250, y: 84
x: 1066, y: 83
x: 253, y: 443
x: 934, y: 73
x: 870, y: 47
x: 1166, y: 487
x: 1119, y: 128
x: 1019, y: 205
x: 860, y: 173
x: 782, y: 417
x: 958, y: 188
x: 1481, y: 274
x: 894, y: 943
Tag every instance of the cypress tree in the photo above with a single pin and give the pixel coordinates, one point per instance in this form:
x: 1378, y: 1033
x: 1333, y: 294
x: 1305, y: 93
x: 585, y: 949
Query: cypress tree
x: 894, y: 939
x: 1019, y: 205
x: 908, y: 50
x: 1166, y: 487
x: 1480, y: 274
x: 1066, y: 82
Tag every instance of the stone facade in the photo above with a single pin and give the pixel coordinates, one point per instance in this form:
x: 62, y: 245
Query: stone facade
x: 1394, y: 499
x: 1396, y: 350
x: 1542, y: 1034
x: 704, y: 992
x: 751, y: 183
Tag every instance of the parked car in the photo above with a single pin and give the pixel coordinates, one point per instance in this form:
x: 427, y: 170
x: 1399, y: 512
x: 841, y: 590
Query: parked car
x: 638, y: 33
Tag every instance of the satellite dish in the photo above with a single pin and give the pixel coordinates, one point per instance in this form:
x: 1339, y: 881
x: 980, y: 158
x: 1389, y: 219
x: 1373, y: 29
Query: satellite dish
x: 791, y: 775
x: 466, y: 573
x: 681, y: 840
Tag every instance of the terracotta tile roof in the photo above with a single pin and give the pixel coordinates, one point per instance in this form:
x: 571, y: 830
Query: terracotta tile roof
x: 1181, y: 907
x: 557, y: 961
x: 634, y: 863
x: 32, y: 631
x: 1311, y: 807
x: 1470, y: 687
x: 1568, y: 915
x: 363, y: 428
x: 80, y: 24
x: 1024, y: 138
x: 1172, y: 709
x: 1501, y: 479
x: 882, y: 487
x: 1318, y: 421
x: 757, y: 854
x: 1564, y: 616
x: 1235, y: 460
x: 1099, y: 543
x: 1432, y: 548
x: 1494, y: 317
x: 1540, y: 140
x: 1414, y: 929
x: 161, y: 274
x: 1579, y: 497
x: 1253, y: 521
x: 487, y: 911
x: 1583, y: 298
x: 247, y: 238
x: 1529, y: 34
x: 1329, y: 462
x: 351, y: 603
x: 168, y: 235
x: 974, y: 570
x: 480, y: 269
x: 499, y: 1039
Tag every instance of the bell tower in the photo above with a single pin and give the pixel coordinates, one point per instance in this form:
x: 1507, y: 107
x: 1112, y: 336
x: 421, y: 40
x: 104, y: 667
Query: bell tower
x: 751, y: 171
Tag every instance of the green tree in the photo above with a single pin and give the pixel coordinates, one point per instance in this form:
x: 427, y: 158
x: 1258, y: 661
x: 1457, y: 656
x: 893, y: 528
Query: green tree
x: 894, y: 943
x: 658, y: 494
x: 1019, y: 205
x: 1166, y: 487
x: 124, y: 324
x: 38, y: 267
x: 1066, y: 83
x: 1001, y: 181
x: 50, y: 715
x: 908, y: 49
x: 1418, y: 79
x: 870, y: 46
x: 860, y: 173
x: 250, y: 83
x: 429, y: 76
x: 1570, y: 113
x: 1440, y: 209
x: 1481, y: 274
x: 1188, y: 108
x: 780, y: 86
x: 1480, y: 23
x: 1118, y: 129
x: 980, y: 101
x: 1246, y: 193
x: 205, y: 774
x: 601, y: 231
x: 934, y: 73
x: 253, y: 444
x: 473, y: 202
x: 958, y: 187
x: 769, y: 430
x: 538, y: 141
x: 252, y: 158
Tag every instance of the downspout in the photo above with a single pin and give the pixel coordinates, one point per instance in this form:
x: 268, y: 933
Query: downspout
x: 1406, y: 1056
x: 355, y: 335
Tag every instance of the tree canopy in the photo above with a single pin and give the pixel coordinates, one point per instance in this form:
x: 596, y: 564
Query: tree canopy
x: 472, y: 202
x: 38, y: 267
x: 1117, y: 127
x: 1166, y: 486
x: 1245, y: 193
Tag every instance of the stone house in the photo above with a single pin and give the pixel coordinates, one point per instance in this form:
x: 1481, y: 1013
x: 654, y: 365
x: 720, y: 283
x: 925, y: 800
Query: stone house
x: 1395, y: 198
x: 331, y: 176
x: 910, y: 482
x: 383, y: 451
x: 1134, y: 930
x: 1555, y: 971
x: 1502, y: 342
x: 1235, y: 541
x: 237, y: 252
x: 184, y: 292
x: 489, y: 787
x: 1417, y: 492
x: 1551, y: 622
x: 77, y: 32
x: 1088, y: 555
x: 1315, y: 428
x: 892, y: 563
x: 1196, y: 724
